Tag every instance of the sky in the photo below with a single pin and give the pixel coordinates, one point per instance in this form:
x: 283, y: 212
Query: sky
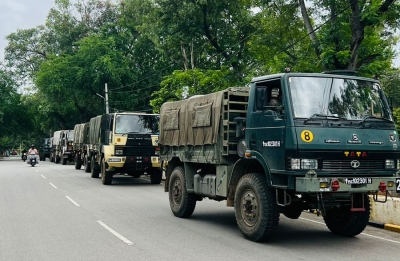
x: 21, y: 14
x: 25, y: 14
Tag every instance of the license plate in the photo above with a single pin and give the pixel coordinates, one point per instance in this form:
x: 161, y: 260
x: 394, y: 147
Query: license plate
x: 398, y: 185
x: 358, y: 181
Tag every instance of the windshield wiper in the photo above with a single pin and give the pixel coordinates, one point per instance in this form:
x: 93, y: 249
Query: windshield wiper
x: 375, y: 118
x: 323, y: 116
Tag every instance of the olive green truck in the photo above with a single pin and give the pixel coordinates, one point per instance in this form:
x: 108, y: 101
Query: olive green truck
x: 325, y: 143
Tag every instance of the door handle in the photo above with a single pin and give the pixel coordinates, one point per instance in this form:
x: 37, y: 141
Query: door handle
x: 253, y: 142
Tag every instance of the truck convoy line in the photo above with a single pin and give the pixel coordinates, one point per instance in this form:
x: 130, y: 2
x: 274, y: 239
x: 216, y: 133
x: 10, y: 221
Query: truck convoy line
x: 289, y: 142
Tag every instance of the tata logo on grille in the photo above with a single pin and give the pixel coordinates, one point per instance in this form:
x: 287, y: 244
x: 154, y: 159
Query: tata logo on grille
x: 355, y: 137
x: 358, y: 154
x: 355, y: 164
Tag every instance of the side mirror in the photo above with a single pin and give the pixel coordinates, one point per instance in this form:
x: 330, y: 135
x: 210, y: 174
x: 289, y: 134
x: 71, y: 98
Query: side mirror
x: 240, y: 126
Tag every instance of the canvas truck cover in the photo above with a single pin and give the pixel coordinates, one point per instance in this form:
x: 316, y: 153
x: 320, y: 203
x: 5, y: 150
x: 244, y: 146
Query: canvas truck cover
x: 85, y: 133
x: 194, y: 121
x: 78, y: 137
x: 57, y: 137
x: 98, y: 127
x: 94, y: 130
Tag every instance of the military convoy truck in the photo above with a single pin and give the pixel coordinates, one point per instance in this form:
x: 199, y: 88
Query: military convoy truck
x: 328, y: 143
x: 124, y: 143
x: 67, y: 149
x: 80, y: 143
x: 55, y: 155
x: 45, y: 149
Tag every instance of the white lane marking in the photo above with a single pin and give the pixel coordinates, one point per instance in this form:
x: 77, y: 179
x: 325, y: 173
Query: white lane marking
x: 112, y: 231
x: 36, y: 171
x: 53, y: 185
x: 43, y: 176
x: 70, y: 199
x: 364, y: 234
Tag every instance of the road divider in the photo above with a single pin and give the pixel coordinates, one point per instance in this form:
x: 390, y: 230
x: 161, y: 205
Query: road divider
x: 43, y: 176
x: 53, y: 185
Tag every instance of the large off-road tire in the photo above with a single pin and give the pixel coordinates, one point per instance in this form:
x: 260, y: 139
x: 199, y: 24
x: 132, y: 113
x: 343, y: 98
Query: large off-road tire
x: 155, y: 176
x: 77, y: 161
x: 86, y: 164
x: 94, y: 172
x: 51, y: 158
x: 64, y: 161
x: 181, y: 202
x: 341, y: 221
x: 106, y: 176
x: 256, y: 210
x: 58, y: 160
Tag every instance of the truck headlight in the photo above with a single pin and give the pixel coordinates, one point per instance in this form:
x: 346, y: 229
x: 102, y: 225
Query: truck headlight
x: 303, y: 163
x: 390, y: 164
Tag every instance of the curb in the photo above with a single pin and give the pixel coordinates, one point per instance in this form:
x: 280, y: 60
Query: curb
x: 390, y: 227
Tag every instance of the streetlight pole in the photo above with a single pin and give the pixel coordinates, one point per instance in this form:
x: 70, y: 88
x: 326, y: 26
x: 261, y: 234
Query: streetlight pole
x: 105, y: 98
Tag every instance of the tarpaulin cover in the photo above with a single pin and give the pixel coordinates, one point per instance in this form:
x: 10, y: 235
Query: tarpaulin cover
x: 194, y: 121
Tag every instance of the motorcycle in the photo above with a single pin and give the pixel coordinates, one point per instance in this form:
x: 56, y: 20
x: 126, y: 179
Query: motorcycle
x: 32, y: 160
x: 23, y: 156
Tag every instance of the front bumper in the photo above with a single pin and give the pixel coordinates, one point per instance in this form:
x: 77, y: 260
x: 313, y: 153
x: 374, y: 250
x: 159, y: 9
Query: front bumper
x: 346, y: 184
x: 132, y: 163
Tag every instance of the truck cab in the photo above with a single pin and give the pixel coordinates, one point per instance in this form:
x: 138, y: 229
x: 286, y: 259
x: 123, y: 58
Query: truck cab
x: 128, y: 145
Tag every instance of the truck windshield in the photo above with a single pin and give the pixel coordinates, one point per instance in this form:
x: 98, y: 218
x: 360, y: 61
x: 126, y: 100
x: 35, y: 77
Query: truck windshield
x: 141, y: 124
x: 70, y: 135
x: 337, y: 98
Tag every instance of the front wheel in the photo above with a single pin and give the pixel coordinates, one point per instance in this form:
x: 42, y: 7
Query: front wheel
x: 106, y: 176
x: 344, y: 222
x: 181, y: 202
x: 256, y: 211
x: 64, y: 161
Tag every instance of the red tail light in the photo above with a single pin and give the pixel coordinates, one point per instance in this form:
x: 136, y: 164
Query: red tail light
x: 146, y: 159
x: 382, y: 186
x: 335, y: 185
x: 131, y: 159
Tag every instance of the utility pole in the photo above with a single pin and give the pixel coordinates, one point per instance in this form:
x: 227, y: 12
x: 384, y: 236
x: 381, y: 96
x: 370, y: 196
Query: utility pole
x: 106, y: 99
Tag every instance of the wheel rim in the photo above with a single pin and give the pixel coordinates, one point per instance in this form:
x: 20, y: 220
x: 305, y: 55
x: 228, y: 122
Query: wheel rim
x: 249, y: 207
x: 177, y: 192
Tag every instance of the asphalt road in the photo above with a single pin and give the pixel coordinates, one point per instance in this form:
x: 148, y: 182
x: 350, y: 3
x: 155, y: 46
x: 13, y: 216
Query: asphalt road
x: 54, y: 212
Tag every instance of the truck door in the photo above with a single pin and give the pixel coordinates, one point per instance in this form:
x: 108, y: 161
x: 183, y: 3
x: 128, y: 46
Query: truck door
x: 266, y: 126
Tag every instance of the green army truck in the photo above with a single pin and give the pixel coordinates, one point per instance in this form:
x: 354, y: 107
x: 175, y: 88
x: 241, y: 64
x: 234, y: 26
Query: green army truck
x: 80, y: 144
x: 45, y: 149
x: 124, y: 143
x: 290, y: 142
x: 67, y: 148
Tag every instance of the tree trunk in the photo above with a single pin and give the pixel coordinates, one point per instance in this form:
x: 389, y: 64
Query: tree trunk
x: 309, y: 28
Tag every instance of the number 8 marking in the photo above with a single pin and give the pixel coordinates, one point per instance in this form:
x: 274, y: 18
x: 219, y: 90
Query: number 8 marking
x: 307, y: 136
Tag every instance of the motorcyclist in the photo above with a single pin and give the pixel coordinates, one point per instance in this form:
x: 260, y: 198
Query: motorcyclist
x: 33, y: 152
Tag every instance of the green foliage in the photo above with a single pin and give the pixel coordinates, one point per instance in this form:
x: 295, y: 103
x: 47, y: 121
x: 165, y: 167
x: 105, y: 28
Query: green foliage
x: 183, y: 84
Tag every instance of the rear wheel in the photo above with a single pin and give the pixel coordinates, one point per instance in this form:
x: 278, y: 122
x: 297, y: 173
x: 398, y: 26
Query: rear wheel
x: 58, y: 159
x: 155, y: 176
x: 78, y: 163
x: 256, y: 211
x: 64, y: 161
x: 94, y: 172
x: 181, y: 202
x: 51, y: 158
x: 106, y: 176
x: 344, y: 222
x: 86, y: 163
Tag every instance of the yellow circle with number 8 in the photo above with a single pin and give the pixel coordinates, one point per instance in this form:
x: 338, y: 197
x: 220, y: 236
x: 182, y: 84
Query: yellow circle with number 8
x: 307, y: 136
